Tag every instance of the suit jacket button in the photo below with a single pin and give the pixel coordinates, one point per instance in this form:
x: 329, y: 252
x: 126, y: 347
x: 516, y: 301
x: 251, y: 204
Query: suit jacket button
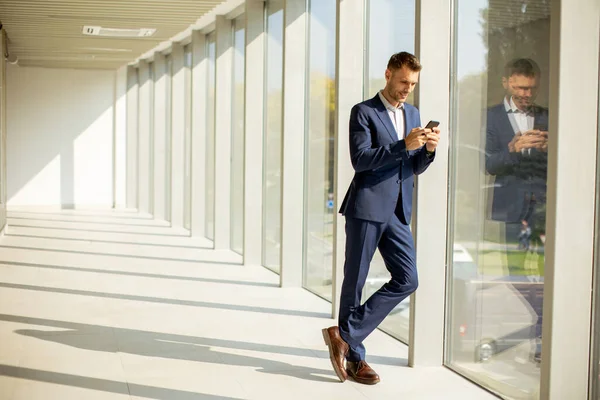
x: 398, y: 181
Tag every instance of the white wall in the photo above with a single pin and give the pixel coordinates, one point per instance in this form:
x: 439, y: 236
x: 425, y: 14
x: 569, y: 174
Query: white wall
x: 60, y: 137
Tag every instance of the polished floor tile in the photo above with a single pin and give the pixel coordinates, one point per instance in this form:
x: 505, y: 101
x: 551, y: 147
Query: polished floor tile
x: 114, y: 305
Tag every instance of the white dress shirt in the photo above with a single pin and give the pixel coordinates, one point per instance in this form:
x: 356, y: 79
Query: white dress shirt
x: 521, y: 121
x: 396, y: 115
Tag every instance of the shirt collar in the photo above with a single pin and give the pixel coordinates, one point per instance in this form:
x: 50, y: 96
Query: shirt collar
x: 387, y: 103
x: 511, y: 107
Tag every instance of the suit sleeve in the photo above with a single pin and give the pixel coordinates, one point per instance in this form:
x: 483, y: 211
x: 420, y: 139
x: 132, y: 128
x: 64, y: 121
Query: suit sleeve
x: 419, y: 158
x: 498, y: 160
x: 364, y: 157
x: 421, y: 161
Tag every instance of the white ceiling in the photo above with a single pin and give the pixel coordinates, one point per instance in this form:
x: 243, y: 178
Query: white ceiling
x: 48, y: 33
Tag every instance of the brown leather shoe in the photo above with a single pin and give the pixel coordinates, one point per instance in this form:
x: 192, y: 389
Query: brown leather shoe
x: 362, y: 373
x: 337, y: 351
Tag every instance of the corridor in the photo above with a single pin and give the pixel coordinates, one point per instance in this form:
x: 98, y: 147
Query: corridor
x: 116, y: 305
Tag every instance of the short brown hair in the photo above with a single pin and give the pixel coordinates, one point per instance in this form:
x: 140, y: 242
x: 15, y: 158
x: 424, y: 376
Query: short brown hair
x: 521, y: 66
x: 402, y: 59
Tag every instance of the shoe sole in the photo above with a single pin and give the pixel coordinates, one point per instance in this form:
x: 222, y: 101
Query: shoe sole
x: 338, y: 371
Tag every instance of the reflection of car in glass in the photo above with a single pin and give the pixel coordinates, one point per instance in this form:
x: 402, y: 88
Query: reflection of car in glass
x: 464, y: 267
x: 492, y: 315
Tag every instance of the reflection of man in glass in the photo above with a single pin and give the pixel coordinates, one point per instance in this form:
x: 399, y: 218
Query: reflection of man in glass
x: 387, y: 148
x: 516, y: 153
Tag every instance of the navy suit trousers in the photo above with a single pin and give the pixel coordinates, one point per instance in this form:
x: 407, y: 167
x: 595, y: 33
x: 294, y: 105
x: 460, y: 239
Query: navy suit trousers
x: 395, y: 243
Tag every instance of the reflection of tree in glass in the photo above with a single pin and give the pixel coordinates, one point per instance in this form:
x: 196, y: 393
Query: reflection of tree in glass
x: 513, y: 30
x: 272, y: 168
x: 469, y: 150
x: 322, y: 116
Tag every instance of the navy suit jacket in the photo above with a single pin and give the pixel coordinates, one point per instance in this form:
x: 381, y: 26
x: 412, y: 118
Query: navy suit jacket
x: 384, y: 170
x: 518, y: 176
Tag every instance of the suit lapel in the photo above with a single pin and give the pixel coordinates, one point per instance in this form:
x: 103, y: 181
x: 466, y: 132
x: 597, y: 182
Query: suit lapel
x: 382, y: 113
x: 506, y: 125
x: 409, y: 120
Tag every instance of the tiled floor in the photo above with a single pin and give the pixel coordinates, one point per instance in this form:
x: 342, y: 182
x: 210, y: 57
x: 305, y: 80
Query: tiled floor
x: 115, y: 305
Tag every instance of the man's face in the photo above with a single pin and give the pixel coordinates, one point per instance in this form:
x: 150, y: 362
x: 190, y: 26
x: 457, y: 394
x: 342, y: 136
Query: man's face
x: 400, y: 83
x: 523, y: 89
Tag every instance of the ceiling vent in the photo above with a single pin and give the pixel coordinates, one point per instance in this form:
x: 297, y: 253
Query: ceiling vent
x: 117, y: 32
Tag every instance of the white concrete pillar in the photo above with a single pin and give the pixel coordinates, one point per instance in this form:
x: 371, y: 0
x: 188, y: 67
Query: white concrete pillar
x: 570, y: 213
x: 187, y: 161
x: 151, y: 140
x: 223, y: 98
x: 350, y: 60
x: 253, y: 157
x: 177, y: 136
x: 426, y: 338
x: 209, y: 167
x: 199, y: 115
x: 132, y: 136
x: 120, y: 140
x: 292, y: 198
x: 168, y: 119
x: 144, y: 126
x: 159, y: 192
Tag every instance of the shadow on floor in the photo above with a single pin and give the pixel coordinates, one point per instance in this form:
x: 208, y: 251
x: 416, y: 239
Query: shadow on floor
x: 123, y: 232
x: 150, y: 224
x: 90, y: 253
x: 171, y: 246
x: 159, y: 344
x: 139, y: 274
x: 105, y: 385
x: 160, y: 300
x: 86, y: 214
x: 171, y: 346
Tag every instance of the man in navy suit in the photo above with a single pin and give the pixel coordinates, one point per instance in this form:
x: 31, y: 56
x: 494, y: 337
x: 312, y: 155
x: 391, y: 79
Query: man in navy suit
x: 387, y: 148
x: 516, y: 152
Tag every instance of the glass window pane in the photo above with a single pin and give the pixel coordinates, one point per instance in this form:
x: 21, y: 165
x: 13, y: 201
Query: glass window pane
x: 320, y: 145
x: 210, y: 137
x: 273, y: 136
x: 498, y: 193
x: 237, y: 139
x: 595, y: 351
x: 391, y: 29
x: 3, y: 140
x: 187, y: 184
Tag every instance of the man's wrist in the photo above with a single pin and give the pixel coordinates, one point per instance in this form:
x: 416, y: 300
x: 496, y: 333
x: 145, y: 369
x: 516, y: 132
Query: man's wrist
x: 429, y: 153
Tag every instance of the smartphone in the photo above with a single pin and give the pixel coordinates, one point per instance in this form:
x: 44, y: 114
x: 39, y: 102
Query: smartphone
x: 432, y: 124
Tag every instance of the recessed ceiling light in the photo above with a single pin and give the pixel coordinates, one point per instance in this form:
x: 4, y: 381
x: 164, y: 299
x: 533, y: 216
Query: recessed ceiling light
x: 107, y: 49
x: 117, y: 32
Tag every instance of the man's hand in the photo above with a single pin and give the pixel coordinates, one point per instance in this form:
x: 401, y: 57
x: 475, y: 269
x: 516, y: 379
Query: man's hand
x: 433, y: 139
x: 544, y: 146
x: 417, y: 138
x: 532, y: 139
